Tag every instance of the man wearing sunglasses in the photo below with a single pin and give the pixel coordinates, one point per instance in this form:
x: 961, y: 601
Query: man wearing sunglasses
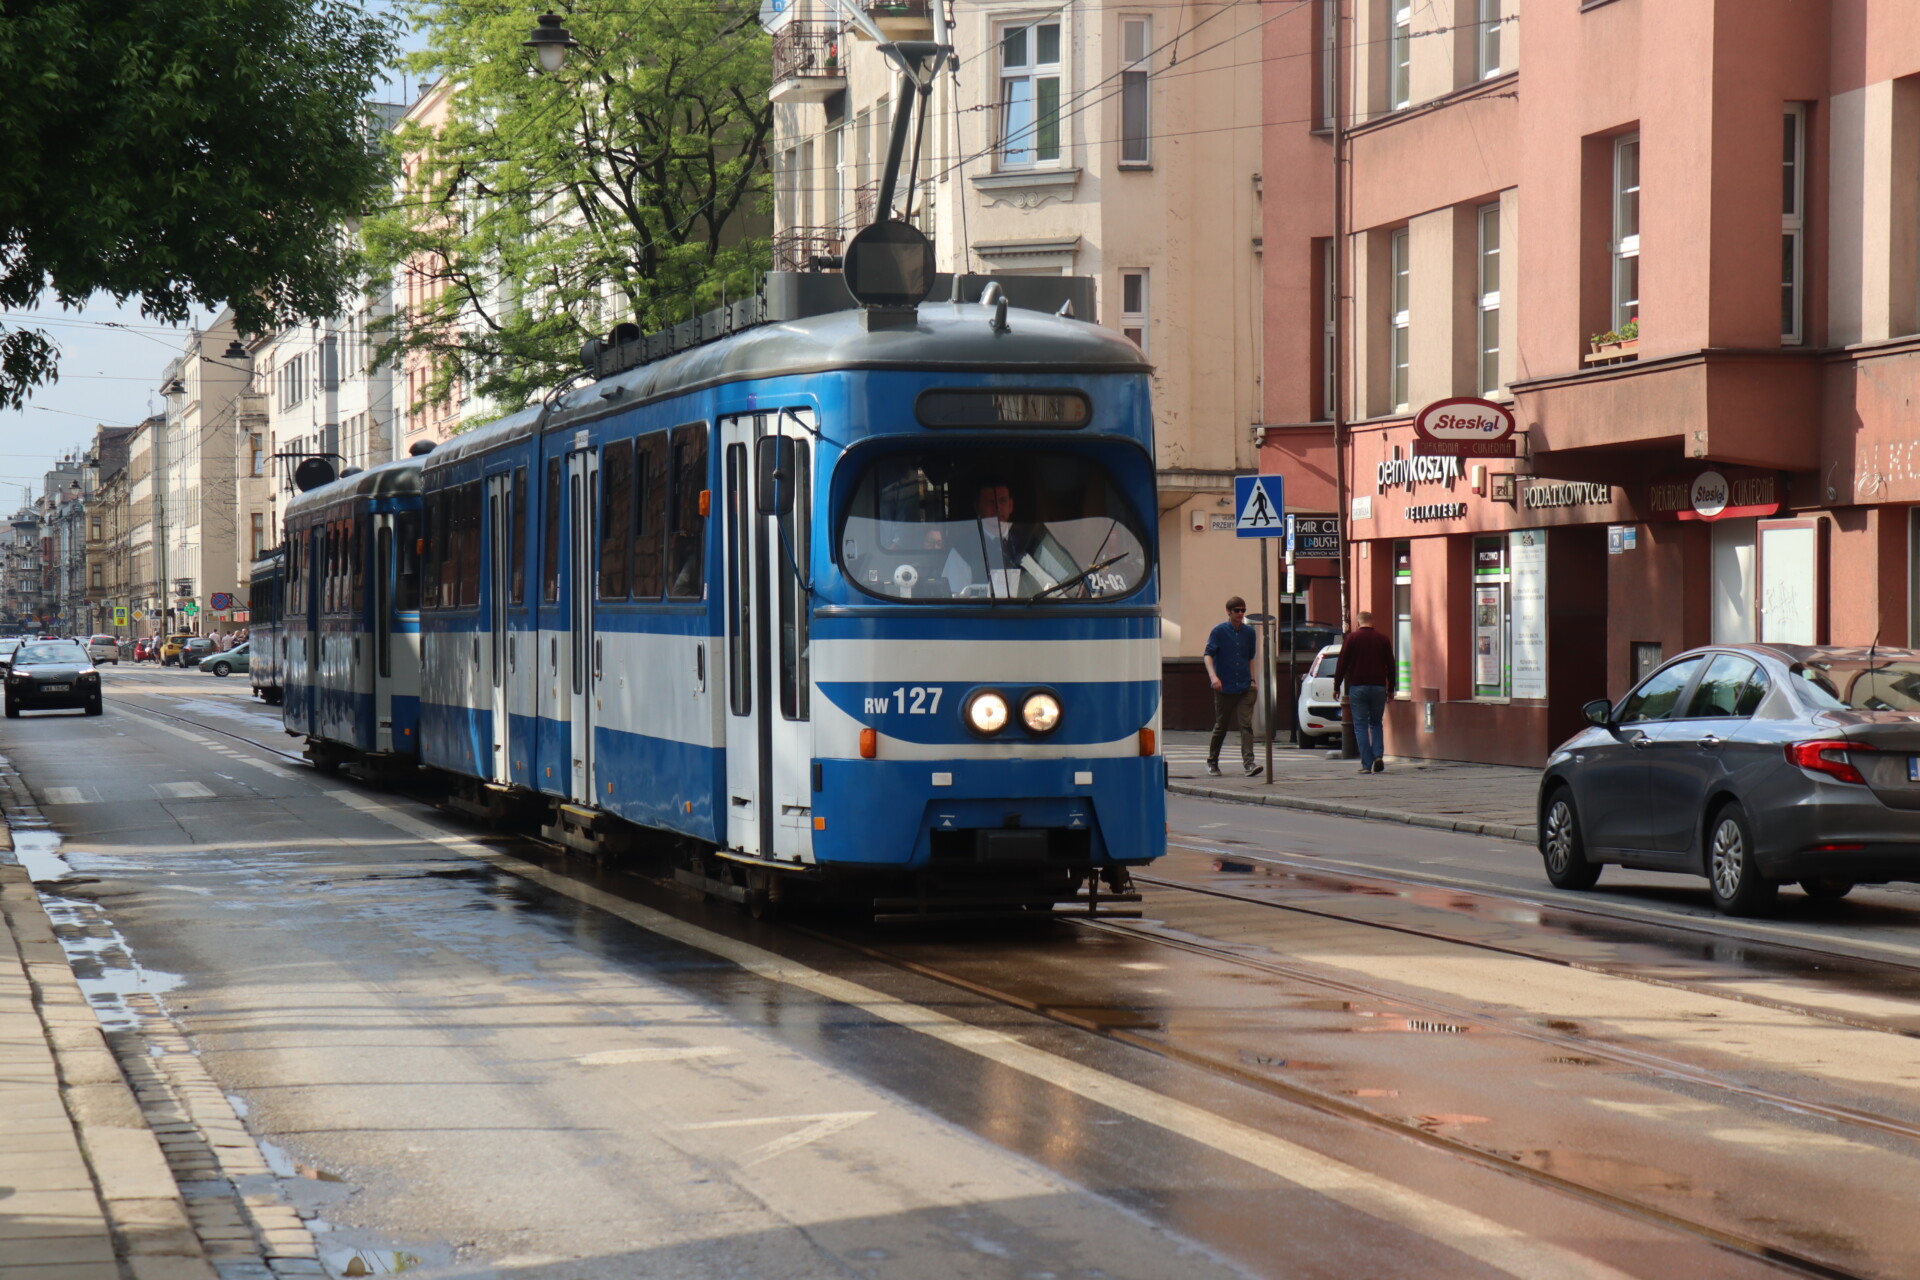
x: 1230, y: 653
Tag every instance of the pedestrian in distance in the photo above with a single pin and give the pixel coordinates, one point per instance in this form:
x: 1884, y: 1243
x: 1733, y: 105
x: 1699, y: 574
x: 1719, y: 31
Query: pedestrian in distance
x: 1230, y: 652
x: 1368, y: 671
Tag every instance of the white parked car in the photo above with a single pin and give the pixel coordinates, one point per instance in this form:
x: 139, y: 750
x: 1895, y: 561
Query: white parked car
x: 1319, y: 710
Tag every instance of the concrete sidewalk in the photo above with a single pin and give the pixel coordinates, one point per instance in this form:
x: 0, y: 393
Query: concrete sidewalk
x: 1484, y: 799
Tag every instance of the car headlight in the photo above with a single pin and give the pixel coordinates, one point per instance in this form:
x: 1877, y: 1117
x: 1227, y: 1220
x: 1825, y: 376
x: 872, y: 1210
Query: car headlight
x: 987, y: 712
x: 1040, y: 712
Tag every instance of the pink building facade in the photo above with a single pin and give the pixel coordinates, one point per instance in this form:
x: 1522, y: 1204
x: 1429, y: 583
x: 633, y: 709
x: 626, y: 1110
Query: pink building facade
x: 1680, y: 239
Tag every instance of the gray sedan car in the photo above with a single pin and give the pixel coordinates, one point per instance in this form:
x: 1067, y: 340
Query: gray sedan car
x: 1753, y: 765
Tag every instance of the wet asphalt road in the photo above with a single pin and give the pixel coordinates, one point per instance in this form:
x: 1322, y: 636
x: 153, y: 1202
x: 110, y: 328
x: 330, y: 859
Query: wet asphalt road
x: 1370, y: 1050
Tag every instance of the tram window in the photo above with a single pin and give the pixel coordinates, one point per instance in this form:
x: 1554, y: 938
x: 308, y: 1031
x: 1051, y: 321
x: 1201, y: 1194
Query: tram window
x: 550, y: 540
x: 333, y: 566
x: 517, y: 540
x: 434, y: 521
x: 406, y: 571
x: 794, y: 639
x: 1018, y: 524
x: 739, y: 614
x: 616, y: 518
x: 357, y: 565
x: 686, y: 534
x: 649, y: 513
x: 383, y: 601
x: 467, y: 512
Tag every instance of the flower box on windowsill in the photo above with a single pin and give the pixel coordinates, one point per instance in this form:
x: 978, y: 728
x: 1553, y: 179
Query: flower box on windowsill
x: 1612, y: 352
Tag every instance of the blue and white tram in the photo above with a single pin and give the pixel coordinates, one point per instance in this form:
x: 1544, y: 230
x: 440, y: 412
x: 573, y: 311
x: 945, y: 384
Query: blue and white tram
x: 835, y: 604
x: 350, y: 675
x: 266, y: 633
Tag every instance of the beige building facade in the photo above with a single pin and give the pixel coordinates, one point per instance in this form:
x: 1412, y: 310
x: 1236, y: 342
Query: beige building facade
x: 1118, y: 143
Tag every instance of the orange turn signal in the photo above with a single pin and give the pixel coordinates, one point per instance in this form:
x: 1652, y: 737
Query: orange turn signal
x: 869, y: 743
x: 819, y: 824
x: 1146, y: 742
x: 706, y: 502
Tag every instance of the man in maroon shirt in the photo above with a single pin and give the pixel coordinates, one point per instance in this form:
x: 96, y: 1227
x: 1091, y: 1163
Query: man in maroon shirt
x: 1368, y: 671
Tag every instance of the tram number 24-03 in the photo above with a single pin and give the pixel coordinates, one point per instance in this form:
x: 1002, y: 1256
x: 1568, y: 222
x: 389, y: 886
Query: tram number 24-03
x: 907, y: 700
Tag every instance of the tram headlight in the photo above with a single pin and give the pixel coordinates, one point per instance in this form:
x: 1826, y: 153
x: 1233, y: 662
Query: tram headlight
x: 1040, y: 712
x: 987, y: 713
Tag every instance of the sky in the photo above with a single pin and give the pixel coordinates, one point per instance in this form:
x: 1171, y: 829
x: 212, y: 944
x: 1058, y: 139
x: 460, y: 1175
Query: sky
x: 111, y: 358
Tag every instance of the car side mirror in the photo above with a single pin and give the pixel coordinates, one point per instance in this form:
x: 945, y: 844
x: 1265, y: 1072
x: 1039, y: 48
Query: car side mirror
x: 1599, y: 712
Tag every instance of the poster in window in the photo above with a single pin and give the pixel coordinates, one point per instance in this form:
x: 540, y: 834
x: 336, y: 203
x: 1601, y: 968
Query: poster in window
x: 1788, y: 599
x: 1527, y: 569
x: 1487, y: 657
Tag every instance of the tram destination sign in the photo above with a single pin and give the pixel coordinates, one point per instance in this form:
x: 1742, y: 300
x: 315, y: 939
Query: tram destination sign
x: 1465, y: 427
x: 988, y: 407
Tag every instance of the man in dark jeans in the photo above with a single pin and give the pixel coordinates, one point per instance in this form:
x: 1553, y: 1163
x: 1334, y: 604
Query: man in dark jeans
x: 1367, y: 669
x: 1230, y: 653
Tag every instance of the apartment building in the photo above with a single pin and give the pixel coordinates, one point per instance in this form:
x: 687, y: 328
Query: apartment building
x: 1111, y: 141
x: 1681, y: 241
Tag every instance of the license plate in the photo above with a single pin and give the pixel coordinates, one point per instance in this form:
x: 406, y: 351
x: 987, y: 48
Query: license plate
x: 55, y: 688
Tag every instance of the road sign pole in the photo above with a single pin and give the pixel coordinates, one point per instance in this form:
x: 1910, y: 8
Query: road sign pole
x: 1293, y: 688
x: 1266, y: 608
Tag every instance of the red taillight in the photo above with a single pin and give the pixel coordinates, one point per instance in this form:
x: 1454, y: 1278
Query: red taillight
x: 1828, y: 757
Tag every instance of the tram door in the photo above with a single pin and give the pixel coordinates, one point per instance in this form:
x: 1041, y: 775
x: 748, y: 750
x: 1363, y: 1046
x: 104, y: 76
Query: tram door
x: 767, y: 482
x: 580, y: 651
x: 499, y: 566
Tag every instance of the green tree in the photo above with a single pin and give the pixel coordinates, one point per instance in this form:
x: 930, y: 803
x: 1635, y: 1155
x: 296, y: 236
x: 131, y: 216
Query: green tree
x: 184, y: 151
x: 630, y: 186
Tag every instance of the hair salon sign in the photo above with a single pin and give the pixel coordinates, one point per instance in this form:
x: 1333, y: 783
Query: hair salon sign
x: 1464, y: 427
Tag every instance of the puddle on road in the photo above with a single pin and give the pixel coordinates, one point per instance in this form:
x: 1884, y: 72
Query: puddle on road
x: 369, y: 1262
x: 281, y: 1161
x: 96, y: 950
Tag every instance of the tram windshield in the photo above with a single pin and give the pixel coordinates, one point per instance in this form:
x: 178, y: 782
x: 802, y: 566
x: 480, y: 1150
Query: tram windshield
x: 1021, y: 525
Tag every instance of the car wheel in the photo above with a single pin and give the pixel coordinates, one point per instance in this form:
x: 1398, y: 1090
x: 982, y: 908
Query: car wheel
x: 223, y: 668
x: 1561, y: 846
x: 1307, y: 742
x: 1826, y: 888
x: 1738, y: 887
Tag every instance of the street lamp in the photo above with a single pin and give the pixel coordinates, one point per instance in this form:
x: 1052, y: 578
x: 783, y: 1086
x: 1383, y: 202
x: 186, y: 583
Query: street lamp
x: 235, y: 351
x: 551, y: 41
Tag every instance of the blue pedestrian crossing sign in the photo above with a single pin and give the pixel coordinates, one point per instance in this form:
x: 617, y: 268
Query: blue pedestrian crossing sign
x: 1260, y: 506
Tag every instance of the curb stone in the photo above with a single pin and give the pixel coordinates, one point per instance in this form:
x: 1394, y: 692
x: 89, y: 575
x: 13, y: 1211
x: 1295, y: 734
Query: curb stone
x: 1498, y: 830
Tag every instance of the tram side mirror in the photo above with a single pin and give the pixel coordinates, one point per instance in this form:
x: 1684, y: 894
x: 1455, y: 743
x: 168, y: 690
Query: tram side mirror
x: 1599, y: 712
x: 774, y: 492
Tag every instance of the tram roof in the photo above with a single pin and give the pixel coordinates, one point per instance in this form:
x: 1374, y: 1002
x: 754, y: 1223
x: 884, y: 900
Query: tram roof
x: 950, y: 336
x: 389, y: 479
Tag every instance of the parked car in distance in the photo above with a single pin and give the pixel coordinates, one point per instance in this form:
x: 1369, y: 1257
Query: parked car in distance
x: 1753, y: 765
x: 170, y: 650
x: 7, y: 648
x: 146, y: 649
x: 194, y: 649
x: 1318, y: 712
x: 225, y: 664
x: 104, y: 649
x: 51, y: 674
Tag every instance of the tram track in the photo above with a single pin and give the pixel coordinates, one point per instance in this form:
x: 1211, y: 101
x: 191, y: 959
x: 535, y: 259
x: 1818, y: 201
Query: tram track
x: 1063, y: 1012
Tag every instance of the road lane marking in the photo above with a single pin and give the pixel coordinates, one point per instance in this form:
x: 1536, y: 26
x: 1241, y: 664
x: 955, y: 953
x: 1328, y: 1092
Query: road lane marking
x: 662, y: 1053
x: 817, y: 1127
x: 65, y: 795
x: 182, y: 791
x: 1495, y: 1244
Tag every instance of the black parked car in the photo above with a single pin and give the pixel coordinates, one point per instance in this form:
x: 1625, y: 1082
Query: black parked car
x: 1752, y: 765
x: 50, y: 674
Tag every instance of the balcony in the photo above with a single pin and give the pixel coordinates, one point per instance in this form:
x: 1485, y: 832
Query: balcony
x: 901, y: 19
x: 796, y: 248
x: 806, y: 62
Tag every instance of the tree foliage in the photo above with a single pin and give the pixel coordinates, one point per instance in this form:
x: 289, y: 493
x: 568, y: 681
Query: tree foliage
x: 630, y: 186
x: 184, y: 151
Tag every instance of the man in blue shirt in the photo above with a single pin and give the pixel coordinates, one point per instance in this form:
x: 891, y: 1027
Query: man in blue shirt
x: 1230, y: 654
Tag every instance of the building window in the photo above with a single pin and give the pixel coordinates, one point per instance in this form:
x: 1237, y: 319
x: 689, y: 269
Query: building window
x: 99, y: 578
x: 1329, y: 330
x: 1399, y: 55
x: 1490, y: 604
x: 96, y: 528
x: 1626, y: 230
x: 1489, y: 299
x: 1399, y: 338
x: 1488, y: 37
x: 1403, y: 615
x: 1133, y: 307
x: 293, y: 381
x: 256, y: 454
x: 1793, y: 221
x: 259, y: 534
x: 1029, y: 94
x: 1136, y: 40
x: 1329, y: 48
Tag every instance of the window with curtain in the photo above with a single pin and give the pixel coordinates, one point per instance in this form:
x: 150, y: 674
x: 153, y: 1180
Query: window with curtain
x: 1029, y: 94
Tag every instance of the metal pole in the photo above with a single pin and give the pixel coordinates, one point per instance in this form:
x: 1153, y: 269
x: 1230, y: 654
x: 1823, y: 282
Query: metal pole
x: 1349, y: 749
x: 1293, y: 686
x: 1266, y: 611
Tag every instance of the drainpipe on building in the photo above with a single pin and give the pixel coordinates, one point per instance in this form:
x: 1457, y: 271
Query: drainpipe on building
x: 1349, y: 749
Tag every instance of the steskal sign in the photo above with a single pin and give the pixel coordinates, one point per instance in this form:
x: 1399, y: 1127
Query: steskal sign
x: 1464, y: 427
